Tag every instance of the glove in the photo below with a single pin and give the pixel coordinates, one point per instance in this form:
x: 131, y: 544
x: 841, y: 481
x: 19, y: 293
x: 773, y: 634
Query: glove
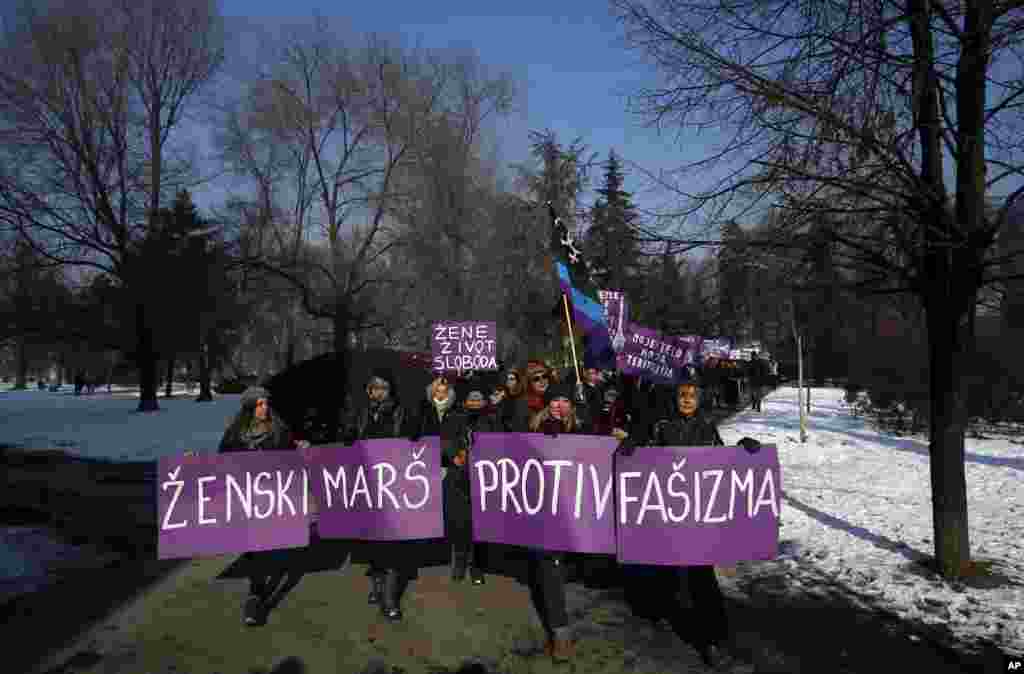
x: 750, y: 444
x: 626, y: 447
x: 580, y: 395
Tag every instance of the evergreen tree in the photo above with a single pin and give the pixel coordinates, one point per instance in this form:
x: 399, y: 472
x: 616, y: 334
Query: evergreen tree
x: 612, y: 243
x: 733, y: 283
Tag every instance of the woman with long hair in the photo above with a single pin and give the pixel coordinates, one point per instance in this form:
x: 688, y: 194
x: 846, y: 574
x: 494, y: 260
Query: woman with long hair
x: 257, y: 428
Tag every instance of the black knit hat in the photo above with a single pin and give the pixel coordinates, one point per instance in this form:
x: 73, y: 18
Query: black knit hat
x: 383, y: 374
x: 253, y: 394
x: 562, y: 389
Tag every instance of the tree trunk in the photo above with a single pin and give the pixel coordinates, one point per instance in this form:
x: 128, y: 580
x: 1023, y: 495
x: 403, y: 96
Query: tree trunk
x: 21, y: 365
x: 169, y: 387
x: 146, y: 361
x: 290, y: 336
x: 205, y: 390
x: 342, y: 333
x: 947, y: 346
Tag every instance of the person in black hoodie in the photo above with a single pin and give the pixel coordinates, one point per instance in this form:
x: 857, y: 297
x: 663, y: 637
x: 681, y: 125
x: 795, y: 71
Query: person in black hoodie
x: 472, y: 418
x: 393, y: 562
x: 256, y: 428
x: 651, y: 591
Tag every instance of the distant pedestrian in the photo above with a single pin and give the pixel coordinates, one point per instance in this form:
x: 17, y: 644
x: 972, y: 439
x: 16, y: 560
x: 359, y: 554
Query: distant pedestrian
x: 758, y: 375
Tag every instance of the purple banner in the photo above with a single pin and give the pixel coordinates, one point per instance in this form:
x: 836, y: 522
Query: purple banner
x: 537, y: 491
x: 719, y: 347
x: 616, y: 312
x: 649, y: 354
x: 468, y: 345
x: 693, y: 346
x: 698, y: 505
x: 378, y: 490
x: 213, y: 504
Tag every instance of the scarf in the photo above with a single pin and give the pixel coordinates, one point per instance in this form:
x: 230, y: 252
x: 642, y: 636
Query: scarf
x: 385, y: 406
x: 256, y: 432
x: 441, y: 407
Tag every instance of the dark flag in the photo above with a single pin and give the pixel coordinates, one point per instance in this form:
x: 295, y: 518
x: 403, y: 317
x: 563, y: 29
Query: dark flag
x: 575, y: 282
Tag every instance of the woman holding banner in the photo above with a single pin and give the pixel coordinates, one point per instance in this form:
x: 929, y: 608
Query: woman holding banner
x: 392, y: 563
x: 652, y: 591
x: 257, y: 428
x: 546, y: 576
x: 438, y: 415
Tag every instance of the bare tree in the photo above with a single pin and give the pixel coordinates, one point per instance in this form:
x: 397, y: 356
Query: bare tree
x: 447, y: 193
x: 891, y: 122
x: 90, y: 96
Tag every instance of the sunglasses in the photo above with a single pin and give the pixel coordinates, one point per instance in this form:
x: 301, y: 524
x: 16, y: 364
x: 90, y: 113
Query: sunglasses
x: 540, y: 377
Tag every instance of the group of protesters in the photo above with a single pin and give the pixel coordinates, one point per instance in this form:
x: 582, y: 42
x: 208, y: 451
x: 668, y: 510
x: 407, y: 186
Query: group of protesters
x: 535, y: 399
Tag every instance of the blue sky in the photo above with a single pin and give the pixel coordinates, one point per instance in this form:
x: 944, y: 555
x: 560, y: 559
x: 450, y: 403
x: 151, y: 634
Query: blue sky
x: 567, y: 56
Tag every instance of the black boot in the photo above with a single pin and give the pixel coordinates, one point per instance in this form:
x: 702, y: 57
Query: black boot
x: 376, y: 589
x: 460, y: 560
x: 391, y: 598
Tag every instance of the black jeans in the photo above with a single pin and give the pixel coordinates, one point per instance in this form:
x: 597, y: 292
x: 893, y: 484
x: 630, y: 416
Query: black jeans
x: 654, y: 592
x: 547, y: 589
x: 266, y: 569
x: 458, y: 510
x: 708, y: 622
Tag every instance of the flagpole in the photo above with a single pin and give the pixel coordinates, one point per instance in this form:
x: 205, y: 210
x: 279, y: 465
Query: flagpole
x: 572, y: 339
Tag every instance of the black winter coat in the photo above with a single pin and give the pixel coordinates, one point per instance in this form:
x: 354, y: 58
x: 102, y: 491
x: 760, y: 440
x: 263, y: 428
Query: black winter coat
x: 390, y: 420
x: 593, y: 401
x: 427, y: 423
x: 514, y: 415
x: 680, y: 431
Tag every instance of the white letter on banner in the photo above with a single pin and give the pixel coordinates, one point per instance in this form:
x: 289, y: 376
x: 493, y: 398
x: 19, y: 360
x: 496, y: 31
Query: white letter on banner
x: 484, y: 487
x: 624, y: 499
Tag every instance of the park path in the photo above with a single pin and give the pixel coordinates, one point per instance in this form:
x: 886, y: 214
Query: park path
x: 185, y: 618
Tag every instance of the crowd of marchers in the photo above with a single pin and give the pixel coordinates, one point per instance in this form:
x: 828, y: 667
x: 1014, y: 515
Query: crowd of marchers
x: 534, y: 399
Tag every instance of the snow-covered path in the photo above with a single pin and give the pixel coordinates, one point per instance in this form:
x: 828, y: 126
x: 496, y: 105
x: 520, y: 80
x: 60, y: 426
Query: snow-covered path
x: 857, y: 509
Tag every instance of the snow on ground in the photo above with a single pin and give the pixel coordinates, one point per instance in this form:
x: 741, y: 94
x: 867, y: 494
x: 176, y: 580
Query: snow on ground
x: 857, y: 505
x: 857, y: 509
x: 107, y: 425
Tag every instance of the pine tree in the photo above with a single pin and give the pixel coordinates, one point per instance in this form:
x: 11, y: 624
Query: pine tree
x: 612, y: 243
